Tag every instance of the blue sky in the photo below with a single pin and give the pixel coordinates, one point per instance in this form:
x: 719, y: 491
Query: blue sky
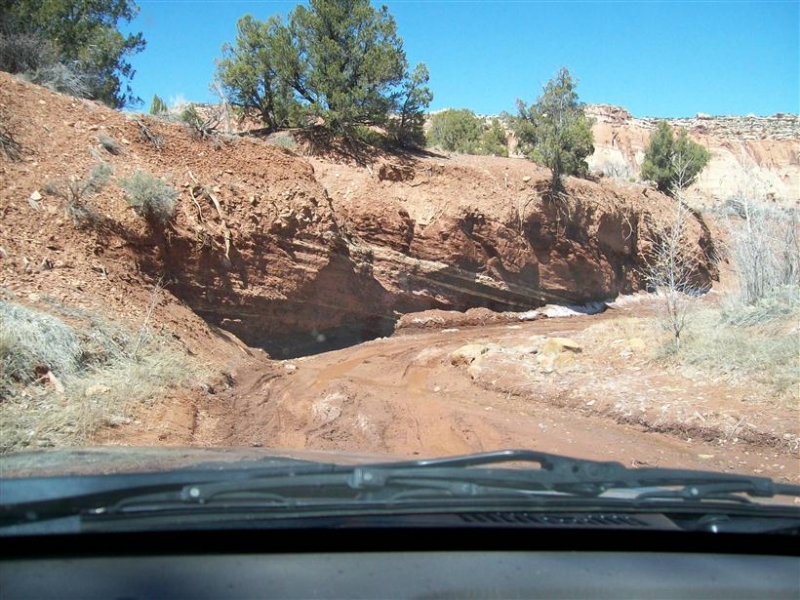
x: 664, y: 59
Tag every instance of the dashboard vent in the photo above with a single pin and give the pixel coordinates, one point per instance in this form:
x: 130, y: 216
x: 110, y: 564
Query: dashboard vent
x: 554, y: 520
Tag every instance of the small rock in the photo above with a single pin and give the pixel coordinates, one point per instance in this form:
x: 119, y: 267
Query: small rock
x: 36, y: 196
x: 526, y: 179
x: 466, y: 355
x: 556, y: 345
x: 96, y: 390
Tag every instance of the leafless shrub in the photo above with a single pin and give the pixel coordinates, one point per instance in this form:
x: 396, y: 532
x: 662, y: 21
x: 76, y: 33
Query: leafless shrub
x: 147, y: 134
x: 108, y: 143
x: 765, y: 249
x: 671, y: 266
x: 25, y: 52
x: 75, y: 190
x: 63, y: 78
x: 12, y: 150
x: 202, y: 125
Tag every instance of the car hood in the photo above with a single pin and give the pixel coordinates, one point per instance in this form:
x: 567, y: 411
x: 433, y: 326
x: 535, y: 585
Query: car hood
x: 110, y: 460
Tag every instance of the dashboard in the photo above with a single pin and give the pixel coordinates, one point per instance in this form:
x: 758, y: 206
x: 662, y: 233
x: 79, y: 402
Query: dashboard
x: 383, y: 557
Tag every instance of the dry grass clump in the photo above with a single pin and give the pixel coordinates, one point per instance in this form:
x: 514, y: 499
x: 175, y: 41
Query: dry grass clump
x: 766, y: 350
x: 60, y: 383
x: 74, y: 191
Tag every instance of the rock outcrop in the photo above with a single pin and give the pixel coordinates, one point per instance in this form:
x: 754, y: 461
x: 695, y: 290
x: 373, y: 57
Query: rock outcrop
x: 749, y: 155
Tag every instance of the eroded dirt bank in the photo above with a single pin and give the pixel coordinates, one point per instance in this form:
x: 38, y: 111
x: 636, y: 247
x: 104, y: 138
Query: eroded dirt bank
x: 284, y: 251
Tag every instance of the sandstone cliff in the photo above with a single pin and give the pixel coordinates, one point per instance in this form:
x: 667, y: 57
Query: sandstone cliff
x: 751, y: 155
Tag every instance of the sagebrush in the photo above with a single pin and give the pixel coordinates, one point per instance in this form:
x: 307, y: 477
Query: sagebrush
x: 151, y: 197
x: 63, y: 377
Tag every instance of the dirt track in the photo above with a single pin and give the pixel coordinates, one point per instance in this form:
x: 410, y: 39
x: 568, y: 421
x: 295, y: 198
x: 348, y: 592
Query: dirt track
x: 402, y: 396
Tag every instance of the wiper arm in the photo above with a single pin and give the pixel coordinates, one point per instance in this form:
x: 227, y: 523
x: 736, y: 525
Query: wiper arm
x: 474, y: 476
x: 588, y: 477
x: 310, y: 485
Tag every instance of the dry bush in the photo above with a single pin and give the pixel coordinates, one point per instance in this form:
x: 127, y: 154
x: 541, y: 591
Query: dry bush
x: 202, y: 125
x: 765, y: 248
x: 104, y: 372
x: 11, y: 149
x: 147, y: 134
x: 75, y: 190
x: 767, y: 353
x: 671, y: 271
x: 33, y: 343
x: 753, y: 334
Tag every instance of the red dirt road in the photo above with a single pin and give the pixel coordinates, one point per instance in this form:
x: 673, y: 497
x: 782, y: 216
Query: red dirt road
x: 401, y: 396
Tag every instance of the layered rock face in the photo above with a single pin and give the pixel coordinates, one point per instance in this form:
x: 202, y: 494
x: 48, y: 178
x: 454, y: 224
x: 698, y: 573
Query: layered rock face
x: 758, y: 156
x: 295, y: 254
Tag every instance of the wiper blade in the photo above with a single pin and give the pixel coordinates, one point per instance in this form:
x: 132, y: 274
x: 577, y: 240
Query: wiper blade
x: 588, y: 477
x: 464, y: 479
x: 478, y: 475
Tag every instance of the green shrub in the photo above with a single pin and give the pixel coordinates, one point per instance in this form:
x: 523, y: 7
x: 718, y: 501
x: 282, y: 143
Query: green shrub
x: 493, y: 141
x: 158, y: 107
x: 673, y: 163
x: 151, y: 198
x: 455, y: 131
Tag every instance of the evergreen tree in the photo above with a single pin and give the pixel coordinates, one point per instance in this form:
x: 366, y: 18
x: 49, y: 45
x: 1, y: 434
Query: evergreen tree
x: 673, y: 163
x: 339, y: 61
x: 555, y: 131
x: 85, y: 38
x: 406, y: 128
x: 249, y: 71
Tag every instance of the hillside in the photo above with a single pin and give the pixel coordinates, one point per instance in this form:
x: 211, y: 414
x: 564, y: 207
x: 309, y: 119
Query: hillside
x: 306, y: 247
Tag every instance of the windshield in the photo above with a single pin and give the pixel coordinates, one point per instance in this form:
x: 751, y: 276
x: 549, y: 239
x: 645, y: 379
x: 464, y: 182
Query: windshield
x: 342, y: 233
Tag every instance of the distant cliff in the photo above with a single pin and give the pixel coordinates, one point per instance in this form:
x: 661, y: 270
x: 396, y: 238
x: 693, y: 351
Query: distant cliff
x: 754, y: 155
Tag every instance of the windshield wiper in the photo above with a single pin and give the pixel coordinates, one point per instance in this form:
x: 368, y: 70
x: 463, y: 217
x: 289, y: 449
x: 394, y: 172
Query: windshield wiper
x: 457, y: 480
x: 593, y: 478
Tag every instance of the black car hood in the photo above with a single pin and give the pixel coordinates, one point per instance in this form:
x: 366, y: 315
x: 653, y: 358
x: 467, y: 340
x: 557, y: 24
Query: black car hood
x: 117, y: 459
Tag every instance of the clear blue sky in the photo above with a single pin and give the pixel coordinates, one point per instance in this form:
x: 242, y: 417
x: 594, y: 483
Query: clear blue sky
x: 664, y: 59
